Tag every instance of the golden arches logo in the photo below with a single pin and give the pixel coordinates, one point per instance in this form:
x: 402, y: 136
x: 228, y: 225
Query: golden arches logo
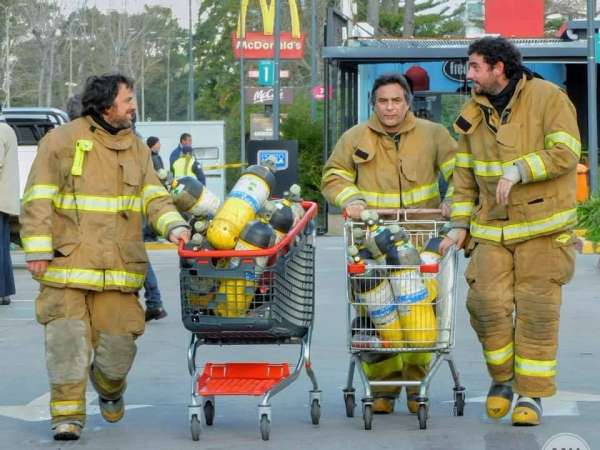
x: 267, y: 8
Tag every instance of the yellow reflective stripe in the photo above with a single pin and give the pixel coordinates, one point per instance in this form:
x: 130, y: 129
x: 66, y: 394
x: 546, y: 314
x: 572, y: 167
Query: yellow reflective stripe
x: 120, y: 278
x: 537, y: 166
x: 535, y: 368
x: 163, y: 222
x: 67, y: 408
x: 464, y: 160
x: 81, y: 146
x: 561, y: 137
x: 346, y: 175
x: 450, y: 191
x: 447, y: 168
x: 500, y: 356
x: 548, y: 224
x: 381, y: 200
x: 486, y: 232
x: 150, y: 192
x: 346, y: 194
x: 39, y: 192
x: 420, y: 194
x: 462, y: 209
x: 93, y: 203
x: 37, y: 244
x: 67, y: 275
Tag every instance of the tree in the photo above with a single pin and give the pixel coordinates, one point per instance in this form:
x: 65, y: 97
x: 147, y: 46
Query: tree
x: 408, y: 23
x: 373, y: 15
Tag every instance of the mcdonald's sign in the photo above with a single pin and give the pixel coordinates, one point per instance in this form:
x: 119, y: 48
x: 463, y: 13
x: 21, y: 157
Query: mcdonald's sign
x: 256, y: 45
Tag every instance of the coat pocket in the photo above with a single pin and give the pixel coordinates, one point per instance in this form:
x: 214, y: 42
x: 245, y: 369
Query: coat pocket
x: 132, y: 173
x: 133, y: 252
x: 563, y: 257
x: 50, y: 304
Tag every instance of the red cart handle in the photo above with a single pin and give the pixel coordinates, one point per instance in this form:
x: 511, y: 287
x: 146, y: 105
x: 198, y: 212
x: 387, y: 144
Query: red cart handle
x: 310, y: 212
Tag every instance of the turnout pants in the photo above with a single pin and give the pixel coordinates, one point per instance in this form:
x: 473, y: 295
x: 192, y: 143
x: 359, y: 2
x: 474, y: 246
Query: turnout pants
x: 76, y: 323
x: 514, y: 302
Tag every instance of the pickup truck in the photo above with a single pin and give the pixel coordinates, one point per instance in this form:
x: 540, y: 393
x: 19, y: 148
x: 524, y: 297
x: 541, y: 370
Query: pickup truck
x: 30, y: 125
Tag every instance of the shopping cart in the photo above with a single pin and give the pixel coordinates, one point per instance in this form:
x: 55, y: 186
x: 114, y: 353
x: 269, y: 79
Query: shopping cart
x: 428, y: 326
x: 250, y: 297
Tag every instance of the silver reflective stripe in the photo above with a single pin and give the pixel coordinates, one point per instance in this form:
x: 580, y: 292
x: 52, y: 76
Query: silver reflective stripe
x: 500, y: 356
x: 537, y: 166
x: 37, y: 244
x: 150, y: 192
x: 163, y: 222
x: 40, y: 192
x: 420, y: 194
x: 381, y: 200
x: 464, y: 160
x: 447, y: 168
x: 85, y: 277
x: 486, y: 232
x: 346, y: 175
x: 461, y: 209
x: 535, y: 368
x: 561, y: 137
x: 92, y: 203
x: 121, y: 278
x: 345, y: 194
x: 548, y: 224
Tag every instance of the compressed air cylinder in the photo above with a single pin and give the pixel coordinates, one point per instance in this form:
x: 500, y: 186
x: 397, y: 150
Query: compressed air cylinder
x: 239, y: 293
x: 282, y: 218
x: 379, y: 238
x: 431, y: 255
x: 244, y: 201
x: 411, y: 296
x: 192, y: 197
x: 295, y: 198
x: 373, y: 291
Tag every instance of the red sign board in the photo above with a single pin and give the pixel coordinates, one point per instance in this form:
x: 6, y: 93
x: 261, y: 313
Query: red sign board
x: 318, y: 92
x: 260, y: 46
x: 515, y: 18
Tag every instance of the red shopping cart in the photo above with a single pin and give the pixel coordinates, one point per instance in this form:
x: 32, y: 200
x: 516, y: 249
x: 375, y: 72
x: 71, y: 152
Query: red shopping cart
x: 227, y: 298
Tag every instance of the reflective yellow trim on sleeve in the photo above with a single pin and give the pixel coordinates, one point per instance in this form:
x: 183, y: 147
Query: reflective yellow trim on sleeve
x: 40, y: 192
x: 37, y: 244
x: 345, y: 194
x: 542, y: 226
x: 499, y: 356
x: 69, y: 275
x: 382, y: 200
x: 345, y: 174
x: 535, y: 368
x: 150, y: 192
x: 120, y: 278
x: 464, y: 160
x: 67, y: 408
x: 449, y: 192
x: 537, y: 166
x: 461, y: 209
x: 163, y: 222
x: 486, y: 232
x: 447, y: 168
x: 92, y: 203
x: 561, y: 137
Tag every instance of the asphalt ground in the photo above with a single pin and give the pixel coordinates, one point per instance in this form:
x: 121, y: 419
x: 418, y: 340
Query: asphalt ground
x: 159, y: 383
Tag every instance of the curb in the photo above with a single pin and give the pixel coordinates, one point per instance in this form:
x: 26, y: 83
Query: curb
x: 587, y: 247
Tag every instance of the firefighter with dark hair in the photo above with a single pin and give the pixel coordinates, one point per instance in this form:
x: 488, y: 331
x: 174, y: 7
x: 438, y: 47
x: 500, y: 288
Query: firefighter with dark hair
x: 514, y: 196
x: 89, y: 189
x: 391, y: 161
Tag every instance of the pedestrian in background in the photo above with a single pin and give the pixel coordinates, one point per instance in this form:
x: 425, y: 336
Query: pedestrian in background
x: 9, y: 206
x: 184, y: 139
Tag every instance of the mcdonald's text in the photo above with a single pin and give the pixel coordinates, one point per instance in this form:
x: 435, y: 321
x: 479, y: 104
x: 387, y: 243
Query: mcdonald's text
x: 261, y: 46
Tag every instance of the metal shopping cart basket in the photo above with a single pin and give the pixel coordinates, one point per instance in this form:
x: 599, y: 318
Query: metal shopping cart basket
x: 228, y: 298
x: 406, y: 322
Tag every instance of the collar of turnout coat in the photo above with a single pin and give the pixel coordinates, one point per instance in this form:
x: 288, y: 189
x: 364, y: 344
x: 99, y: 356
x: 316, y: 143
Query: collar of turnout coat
x: 409, y: 122
x: 123, y: 140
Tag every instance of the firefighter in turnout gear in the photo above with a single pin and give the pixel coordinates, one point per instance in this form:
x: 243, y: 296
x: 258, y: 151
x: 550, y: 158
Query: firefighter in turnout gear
x: 515, y: 195
x: 90, y: 186
x: 391, y: 161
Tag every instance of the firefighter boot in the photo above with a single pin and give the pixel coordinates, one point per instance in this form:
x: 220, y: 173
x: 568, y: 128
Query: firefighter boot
x: 499, y: 400
x: 383, y: 404
x: 67, y: 431
x: 112, y: 407
x: 412, y: 404
x: 527, y: 412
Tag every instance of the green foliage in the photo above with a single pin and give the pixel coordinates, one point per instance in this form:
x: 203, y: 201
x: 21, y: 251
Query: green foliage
x: 588, y: 217
x: 445, y: 22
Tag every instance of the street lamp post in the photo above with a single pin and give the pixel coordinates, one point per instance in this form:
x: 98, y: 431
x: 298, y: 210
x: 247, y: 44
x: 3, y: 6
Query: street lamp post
x: 7, y: 60
x: 191, y: 67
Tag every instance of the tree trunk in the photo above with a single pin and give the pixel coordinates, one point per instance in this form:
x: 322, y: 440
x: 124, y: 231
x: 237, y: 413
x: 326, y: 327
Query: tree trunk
x: 408, y: 27
x: 373, y: 15
x: 50, y: 75
x: 391, y: 6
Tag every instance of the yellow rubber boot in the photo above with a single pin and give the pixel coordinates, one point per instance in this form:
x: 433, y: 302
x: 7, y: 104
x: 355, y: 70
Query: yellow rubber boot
x: 499, y: 400
x: 527, y: 412
x: 383, y: 405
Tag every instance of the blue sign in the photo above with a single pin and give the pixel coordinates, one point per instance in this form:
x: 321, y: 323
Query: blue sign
x: 266, y: 69
x: 280, y: 157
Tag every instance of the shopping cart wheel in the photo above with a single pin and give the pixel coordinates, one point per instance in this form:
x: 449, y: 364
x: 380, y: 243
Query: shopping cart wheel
x: 195, y: 427
x: 265, y: 427
x: 350, y: 404
x: 315, y: 411
x: 368, y: 416
x: 459, y: 401
x: 209, y: 412
x: 422, y: 416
